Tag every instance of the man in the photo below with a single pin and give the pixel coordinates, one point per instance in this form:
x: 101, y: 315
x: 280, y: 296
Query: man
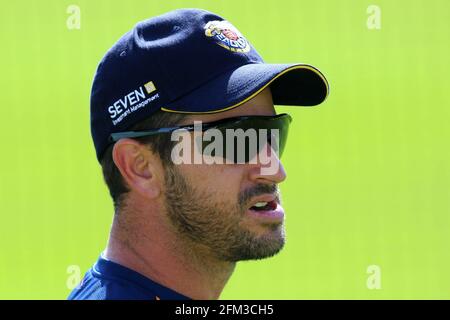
x: 180, y: 227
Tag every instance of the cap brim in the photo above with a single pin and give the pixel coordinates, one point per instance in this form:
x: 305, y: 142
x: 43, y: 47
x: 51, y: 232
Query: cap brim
x: 291, y: 84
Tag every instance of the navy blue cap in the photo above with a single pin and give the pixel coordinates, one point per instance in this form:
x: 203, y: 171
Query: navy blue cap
x: 189, y: 61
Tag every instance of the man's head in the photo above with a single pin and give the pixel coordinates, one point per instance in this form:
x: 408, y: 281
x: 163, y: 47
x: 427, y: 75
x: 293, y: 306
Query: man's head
x: 206, y: 205
x: 186, y: 66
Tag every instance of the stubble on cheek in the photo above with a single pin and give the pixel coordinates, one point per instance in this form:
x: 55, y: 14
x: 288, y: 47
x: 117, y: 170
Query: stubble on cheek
x: 205, y: 217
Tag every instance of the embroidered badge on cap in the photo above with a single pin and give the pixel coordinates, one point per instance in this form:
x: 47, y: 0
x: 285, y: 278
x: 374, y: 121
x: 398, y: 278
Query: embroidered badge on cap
x: 227, y: 36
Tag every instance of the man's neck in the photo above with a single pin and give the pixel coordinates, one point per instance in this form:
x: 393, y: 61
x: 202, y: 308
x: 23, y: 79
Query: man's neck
x: 158, y: 254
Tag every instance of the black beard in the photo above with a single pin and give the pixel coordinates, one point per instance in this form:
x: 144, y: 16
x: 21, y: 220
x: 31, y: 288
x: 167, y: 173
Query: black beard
x: 205, y: 220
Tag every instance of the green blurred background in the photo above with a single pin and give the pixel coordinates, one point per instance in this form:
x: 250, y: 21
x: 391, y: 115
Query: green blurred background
x: 368, y: 171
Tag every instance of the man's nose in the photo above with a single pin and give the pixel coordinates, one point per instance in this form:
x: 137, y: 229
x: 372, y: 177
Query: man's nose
x: 268, y: 171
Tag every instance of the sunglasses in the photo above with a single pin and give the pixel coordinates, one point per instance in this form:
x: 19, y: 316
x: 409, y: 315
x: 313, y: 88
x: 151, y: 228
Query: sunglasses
x: 237, y: 139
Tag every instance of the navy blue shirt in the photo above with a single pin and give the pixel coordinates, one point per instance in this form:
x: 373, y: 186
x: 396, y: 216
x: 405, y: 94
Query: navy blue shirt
x: 108, y: 280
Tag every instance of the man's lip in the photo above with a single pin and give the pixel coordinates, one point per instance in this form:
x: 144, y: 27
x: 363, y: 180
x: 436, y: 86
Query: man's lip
x: 264, y: 198
x: 268, y: 216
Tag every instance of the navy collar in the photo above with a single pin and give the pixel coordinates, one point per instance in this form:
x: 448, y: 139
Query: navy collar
x: 104, y: 268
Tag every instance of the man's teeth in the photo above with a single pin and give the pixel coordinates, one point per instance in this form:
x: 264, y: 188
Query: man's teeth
x: 260, y: 204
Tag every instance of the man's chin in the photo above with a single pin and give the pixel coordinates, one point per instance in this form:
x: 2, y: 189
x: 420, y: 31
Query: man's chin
x: 257, y: 247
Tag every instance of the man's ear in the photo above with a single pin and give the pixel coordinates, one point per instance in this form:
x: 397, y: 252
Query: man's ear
x: 138, y: 166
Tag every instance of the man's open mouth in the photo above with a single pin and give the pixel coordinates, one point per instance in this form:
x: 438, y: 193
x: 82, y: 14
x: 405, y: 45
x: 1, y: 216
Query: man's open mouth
x: 264, y: 206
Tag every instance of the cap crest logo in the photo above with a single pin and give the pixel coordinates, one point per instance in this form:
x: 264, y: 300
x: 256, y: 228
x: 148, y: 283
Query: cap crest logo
x: 227, y: 36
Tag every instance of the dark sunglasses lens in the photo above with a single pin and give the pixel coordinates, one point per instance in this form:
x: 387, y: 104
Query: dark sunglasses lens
x: 244, y: 139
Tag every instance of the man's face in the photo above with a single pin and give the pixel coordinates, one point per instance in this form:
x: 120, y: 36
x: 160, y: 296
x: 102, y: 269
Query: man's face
x: 212, y: 205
